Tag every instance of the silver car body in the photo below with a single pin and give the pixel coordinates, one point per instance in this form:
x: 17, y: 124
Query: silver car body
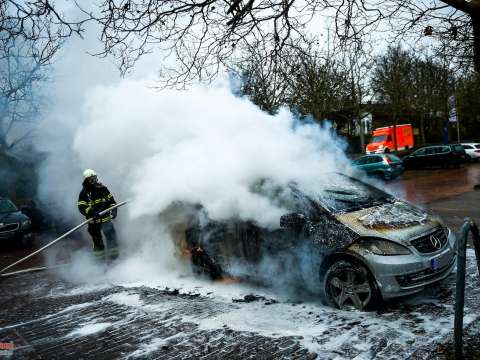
x: 432, y: 252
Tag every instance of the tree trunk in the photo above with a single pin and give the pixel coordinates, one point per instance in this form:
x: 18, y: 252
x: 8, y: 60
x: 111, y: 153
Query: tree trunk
x: 422, y: 128
x: 476, y: 42
x: 395, y: 123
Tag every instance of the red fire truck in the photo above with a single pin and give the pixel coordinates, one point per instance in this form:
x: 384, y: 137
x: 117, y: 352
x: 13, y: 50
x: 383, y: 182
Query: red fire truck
x: 383, y: 141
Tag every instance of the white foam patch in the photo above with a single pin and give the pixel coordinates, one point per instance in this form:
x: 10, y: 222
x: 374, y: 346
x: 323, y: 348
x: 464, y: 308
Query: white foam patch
x: 153, y: 345
x: 89, y: 329
x: 312, y: 321
x: 125, y: 298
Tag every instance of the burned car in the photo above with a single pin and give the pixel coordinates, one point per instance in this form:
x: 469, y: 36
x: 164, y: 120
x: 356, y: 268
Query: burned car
x: 348, y: 241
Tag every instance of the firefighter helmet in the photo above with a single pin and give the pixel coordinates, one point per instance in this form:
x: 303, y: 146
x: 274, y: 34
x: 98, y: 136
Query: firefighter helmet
x: 88, y: 173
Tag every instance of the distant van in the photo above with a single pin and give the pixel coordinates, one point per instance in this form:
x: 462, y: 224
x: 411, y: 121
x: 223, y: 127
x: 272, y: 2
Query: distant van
x: 383, y: 141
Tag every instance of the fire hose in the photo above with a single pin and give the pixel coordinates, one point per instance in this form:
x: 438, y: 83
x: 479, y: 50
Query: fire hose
x: 53, y: 242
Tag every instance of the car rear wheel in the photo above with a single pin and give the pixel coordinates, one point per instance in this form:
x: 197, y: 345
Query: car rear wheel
x: 349, y: 285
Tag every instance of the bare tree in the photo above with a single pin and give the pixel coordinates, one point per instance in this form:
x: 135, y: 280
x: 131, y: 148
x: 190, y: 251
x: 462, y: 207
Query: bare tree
x: 320, y: 85
x: 407, y: 83
x: 20, y: 75
x: 468, y: 102
x: 31, y: 33
x: 37, y: 24
x: 358, y: 62
x: 455, y: 24
x: 392, y: 83
x: 432, y: 85
x: 203, y: 35
x: 265, y: 80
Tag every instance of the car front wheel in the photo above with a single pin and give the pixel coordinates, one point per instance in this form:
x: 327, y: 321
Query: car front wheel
x: 349, y: 285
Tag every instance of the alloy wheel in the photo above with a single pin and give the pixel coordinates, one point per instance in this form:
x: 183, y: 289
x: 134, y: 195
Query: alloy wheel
x: 349, y: 288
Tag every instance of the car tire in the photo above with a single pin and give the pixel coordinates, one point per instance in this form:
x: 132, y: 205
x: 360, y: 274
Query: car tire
x: 386, y: 151
x: 349, y: 285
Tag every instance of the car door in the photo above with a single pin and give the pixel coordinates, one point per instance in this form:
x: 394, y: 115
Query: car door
x: 468, y: 149
x: 375, y: 164
x: 416, y: 159
x: 431, y: 157
x: 367, y: 166
x: 360, y: 163
x: 444, y: 156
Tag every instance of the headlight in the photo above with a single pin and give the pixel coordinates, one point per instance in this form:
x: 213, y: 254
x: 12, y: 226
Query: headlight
x: 384, y: 247
x: 452, y: 239
x: 26, y: 223
x: 380, y: 146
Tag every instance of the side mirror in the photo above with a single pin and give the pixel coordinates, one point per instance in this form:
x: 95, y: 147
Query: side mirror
x: 292, y: 220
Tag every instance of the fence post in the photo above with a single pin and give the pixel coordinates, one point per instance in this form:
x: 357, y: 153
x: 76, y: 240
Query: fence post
x: 460, y: 288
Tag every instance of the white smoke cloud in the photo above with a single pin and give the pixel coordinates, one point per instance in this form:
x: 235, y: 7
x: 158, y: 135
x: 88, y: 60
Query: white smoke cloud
x: 204, y: 145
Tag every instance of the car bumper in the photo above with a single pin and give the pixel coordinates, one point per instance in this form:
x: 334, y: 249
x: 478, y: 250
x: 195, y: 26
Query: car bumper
x: 387, y: 172
x: 15, y: 236
x: 407, y: 274
x: 378, y: 151
x: 393, y: 171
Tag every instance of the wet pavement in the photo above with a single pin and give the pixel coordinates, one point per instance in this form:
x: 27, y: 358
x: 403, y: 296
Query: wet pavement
x: 426, y: 186
x: 47, y: 317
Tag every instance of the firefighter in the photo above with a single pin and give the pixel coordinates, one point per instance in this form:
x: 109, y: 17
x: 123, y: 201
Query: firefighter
x: 94, y: 198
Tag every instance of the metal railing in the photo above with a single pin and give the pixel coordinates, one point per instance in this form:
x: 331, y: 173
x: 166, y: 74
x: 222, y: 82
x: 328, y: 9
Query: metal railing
x: 469, y: 227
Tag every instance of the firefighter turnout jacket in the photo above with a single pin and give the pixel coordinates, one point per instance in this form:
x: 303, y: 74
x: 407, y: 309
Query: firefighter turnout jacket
x: 93, y: 199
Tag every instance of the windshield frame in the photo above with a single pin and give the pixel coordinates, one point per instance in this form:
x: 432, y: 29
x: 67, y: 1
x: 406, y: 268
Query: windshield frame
x: 383, y: 198
x: 379, y: 138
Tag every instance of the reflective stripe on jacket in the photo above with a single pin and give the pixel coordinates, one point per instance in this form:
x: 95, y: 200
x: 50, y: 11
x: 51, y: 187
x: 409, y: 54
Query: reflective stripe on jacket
x: 95, y: 198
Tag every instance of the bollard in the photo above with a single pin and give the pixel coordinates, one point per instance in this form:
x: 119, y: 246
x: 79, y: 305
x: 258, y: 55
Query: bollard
x: 460, y: 288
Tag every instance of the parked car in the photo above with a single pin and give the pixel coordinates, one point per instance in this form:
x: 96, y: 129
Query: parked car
x: 386, y: 166
x: 384, y: 142
x: 349, y: 242
x: 472, y: 150
x: 15, y: 227
x: 436, y: 156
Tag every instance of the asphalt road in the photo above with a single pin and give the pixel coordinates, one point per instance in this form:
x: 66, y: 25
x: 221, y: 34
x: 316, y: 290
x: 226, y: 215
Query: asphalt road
x: 48, y: 315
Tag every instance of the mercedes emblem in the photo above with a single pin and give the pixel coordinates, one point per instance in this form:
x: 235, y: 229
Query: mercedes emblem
x: 437, y: 244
